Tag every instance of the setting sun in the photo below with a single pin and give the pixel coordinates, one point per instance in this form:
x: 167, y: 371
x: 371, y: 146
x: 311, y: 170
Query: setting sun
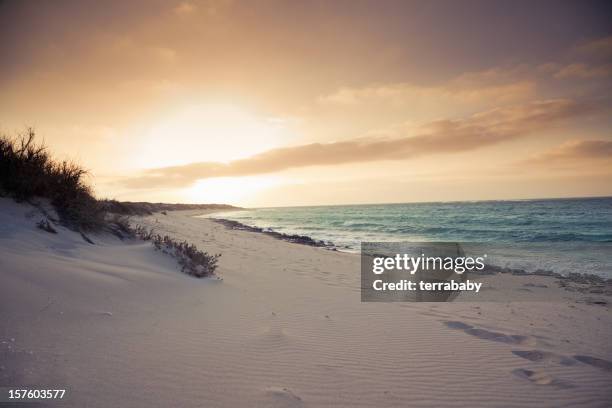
x: 208, y: 132
x: 231, y: 190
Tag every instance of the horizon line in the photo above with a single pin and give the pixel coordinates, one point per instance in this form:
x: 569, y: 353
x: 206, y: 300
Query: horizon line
x: 423, y: 202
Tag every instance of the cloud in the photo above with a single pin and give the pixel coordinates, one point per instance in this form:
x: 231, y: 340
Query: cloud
x: 573, y: 151
x: 591, y: 60
x: 494, y: 85
x: 211, y: 8
x: 184, y: 8
x: 443, y: 136
x: 581, y: 70
x: 599, y: 48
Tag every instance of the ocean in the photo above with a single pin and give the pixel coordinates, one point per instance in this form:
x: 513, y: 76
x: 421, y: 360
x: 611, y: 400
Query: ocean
x: 558, y: 235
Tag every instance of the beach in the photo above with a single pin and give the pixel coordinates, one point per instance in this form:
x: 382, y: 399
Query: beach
x: 118, y: 324
x: 355, y: 204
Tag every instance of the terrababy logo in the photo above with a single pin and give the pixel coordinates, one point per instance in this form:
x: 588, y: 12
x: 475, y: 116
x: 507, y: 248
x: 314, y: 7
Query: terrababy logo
x: 424, y: 264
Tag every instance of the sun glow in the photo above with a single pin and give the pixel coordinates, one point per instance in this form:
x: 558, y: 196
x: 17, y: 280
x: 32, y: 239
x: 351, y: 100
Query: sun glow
x: 209, y: 132
x: 230, y: 190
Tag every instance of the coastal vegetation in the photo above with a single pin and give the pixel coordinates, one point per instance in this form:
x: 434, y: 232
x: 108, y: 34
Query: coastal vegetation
x: 28, y: 173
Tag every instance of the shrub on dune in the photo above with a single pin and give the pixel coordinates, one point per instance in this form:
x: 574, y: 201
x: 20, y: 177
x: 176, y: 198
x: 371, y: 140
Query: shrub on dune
x: 193, y: 261
x: 28, y: 171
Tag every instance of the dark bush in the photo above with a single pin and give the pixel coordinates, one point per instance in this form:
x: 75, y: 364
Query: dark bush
x: 28, y: 171
x: 193, y: 261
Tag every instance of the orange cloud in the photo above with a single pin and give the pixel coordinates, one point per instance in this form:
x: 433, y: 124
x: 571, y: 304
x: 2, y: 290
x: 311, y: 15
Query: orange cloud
x: 493, y: 85
x: 184, y: 8
x: 443, y: 136
x: 580, y: 70
x: 575, y: 150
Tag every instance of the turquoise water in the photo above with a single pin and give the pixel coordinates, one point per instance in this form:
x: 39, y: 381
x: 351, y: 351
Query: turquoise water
x: 562, y: 235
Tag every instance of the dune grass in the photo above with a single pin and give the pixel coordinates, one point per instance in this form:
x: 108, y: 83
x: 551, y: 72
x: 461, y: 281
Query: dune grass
x: 192, y: 261
x: 27, y: 170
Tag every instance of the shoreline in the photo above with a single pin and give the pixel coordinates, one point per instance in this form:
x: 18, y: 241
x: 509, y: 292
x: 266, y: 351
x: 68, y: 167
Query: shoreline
x: 593, y: 282
x: 293, y: 238
x: 592, y: 289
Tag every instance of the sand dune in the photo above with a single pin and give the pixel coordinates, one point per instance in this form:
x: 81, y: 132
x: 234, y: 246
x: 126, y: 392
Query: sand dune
x: 119, y: 325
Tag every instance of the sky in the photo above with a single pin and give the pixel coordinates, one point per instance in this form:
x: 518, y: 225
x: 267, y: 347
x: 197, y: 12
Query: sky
x: 280, y: 103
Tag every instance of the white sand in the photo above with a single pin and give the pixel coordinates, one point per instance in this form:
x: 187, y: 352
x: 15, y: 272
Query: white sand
x: 119, y: 325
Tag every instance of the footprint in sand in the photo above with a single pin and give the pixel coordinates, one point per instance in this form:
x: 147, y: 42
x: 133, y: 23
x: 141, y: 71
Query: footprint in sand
x: 595, y: 362
x: 458, y: 325
x: 499, y: 337
x: 270, y: 339
x: 484, y: 334
x: 275, y: 333
x: 282, y: 397
x: 539, y: 377
x: 544, y: 357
